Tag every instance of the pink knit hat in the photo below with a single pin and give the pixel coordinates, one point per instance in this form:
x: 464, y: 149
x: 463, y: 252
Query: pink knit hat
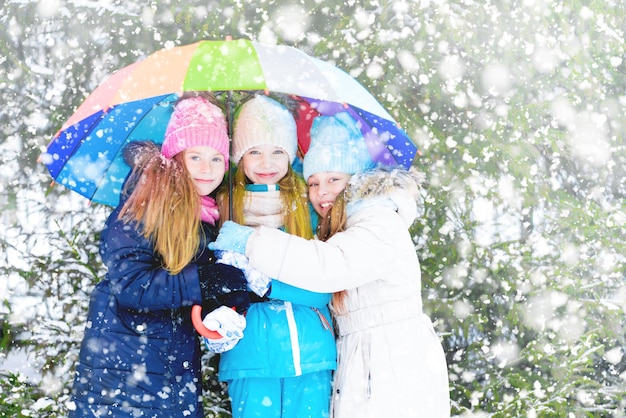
x: 196, y: 122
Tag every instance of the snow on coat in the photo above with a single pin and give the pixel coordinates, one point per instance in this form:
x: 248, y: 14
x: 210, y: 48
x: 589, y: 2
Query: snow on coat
x: 390, y: 360
x: 140, y: 355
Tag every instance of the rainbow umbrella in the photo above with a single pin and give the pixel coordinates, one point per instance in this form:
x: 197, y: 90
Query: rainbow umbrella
x: 136, y: 102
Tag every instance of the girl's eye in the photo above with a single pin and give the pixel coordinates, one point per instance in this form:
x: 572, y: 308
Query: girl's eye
x: 279, y: 151
x: 253, y: 152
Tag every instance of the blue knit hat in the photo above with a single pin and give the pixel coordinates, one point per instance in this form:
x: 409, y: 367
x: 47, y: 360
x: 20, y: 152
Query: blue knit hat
x: 337, y: 144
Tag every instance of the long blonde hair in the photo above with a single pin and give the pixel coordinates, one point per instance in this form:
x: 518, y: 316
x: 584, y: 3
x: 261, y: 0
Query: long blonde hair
x: 293, y: 193
x: 333, y: 222
x: 163, y: 203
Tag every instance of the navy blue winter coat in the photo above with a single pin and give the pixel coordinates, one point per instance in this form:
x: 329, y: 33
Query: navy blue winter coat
x: 140, y: 355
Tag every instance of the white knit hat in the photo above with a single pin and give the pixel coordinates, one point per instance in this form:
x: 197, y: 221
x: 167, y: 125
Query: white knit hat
x: 261, y: 121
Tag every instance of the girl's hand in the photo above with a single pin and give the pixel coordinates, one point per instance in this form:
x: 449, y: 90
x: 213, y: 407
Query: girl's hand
x: 229, y: 324
x: 258, y: 282
x: 232, y: 237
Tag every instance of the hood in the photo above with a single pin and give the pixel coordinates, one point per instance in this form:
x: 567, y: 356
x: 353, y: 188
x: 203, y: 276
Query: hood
x: 382, y: 181
x: 135, y: 154
x: 394, y: 187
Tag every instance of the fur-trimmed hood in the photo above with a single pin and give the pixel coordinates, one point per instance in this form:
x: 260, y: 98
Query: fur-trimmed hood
x: 397, y: 188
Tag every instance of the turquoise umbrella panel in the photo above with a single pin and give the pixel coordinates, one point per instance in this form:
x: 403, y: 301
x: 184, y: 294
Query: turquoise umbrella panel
x: 96, y: 168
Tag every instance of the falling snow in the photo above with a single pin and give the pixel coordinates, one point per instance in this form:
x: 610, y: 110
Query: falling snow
x: 518, y: 109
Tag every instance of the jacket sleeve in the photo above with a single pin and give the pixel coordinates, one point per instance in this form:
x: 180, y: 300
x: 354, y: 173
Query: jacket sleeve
x: 298, y: 296
x: 356, y: 256
x: 136, y: 276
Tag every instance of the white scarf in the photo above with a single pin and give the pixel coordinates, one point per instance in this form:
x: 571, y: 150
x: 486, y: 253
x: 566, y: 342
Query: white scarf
x: 263, y: 208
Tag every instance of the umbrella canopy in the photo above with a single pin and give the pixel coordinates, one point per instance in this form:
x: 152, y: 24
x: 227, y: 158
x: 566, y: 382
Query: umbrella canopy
x: 136, y: 103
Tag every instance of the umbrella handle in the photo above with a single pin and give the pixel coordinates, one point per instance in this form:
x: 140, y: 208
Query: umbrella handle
x: 196, y: 320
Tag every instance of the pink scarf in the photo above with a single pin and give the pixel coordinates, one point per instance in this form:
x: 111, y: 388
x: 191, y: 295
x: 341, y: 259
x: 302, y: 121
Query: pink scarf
x: 208, y: 211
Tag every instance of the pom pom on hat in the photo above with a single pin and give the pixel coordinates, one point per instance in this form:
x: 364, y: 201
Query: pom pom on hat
x: 337, y: 144
x: 261, y: 121
x: 196, y: 122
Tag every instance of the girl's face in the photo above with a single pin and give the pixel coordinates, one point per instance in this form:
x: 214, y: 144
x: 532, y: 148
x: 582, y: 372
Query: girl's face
x: 206, y: 167
x: 324, y: 187
x: 265, y: 164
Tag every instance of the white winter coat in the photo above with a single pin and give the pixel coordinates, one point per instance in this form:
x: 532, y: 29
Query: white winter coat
x: 391, y: 362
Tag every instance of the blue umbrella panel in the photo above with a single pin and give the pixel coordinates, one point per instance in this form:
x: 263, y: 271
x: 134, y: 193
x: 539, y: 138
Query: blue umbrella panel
x: 88, y: 158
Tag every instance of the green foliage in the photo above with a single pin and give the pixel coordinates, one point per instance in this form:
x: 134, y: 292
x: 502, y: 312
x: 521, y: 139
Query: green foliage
x: 20, y: 399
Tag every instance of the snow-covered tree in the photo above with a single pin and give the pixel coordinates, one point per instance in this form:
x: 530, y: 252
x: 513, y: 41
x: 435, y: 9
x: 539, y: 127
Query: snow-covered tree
x: 518, y: 108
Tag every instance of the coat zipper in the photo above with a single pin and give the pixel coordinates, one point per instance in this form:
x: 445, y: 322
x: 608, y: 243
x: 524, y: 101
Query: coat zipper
x: 323, y: 319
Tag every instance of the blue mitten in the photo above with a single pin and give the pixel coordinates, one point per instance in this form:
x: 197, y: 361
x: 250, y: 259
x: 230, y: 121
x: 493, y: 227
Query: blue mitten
x: 232, y: 237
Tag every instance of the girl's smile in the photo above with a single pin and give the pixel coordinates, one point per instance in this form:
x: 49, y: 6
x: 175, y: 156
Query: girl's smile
x: 265, y: 164
x: 206, y: 167
x: 324, y: 187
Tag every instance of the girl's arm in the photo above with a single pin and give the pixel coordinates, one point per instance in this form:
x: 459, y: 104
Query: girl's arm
x: 349, y: 259
x: 138, y: 280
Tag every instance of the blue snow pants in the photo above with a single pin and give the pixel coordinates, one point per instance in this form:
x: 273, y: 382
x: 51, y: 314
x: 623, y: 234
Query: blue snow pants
x: 305, y: 396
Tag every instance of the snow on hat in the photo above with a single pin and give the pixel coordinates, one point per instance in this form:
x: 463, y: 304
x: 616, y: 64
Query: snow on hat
x: 261, y: 121
x: 337, y: 144
x: 196, y: 122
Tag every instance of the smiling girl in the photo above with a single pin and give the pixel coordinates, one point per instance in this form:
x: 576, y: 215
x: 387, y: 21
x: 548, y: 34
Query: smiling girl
x: 282, y: 367
x: 140, y: 355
